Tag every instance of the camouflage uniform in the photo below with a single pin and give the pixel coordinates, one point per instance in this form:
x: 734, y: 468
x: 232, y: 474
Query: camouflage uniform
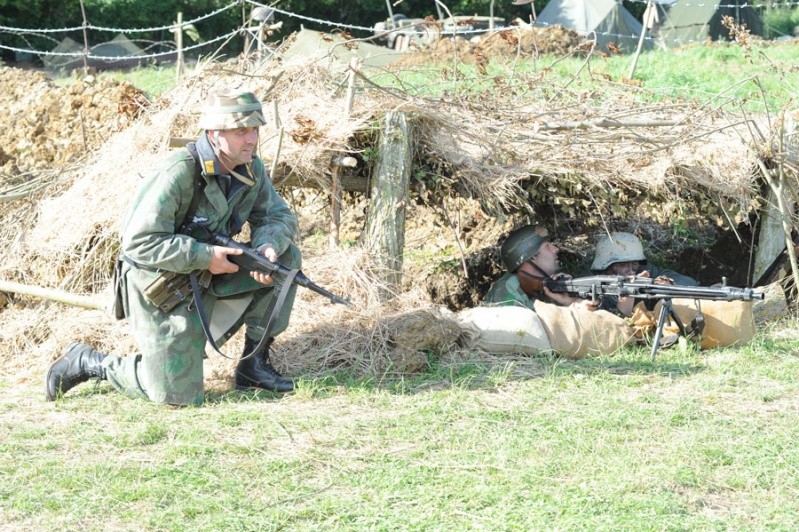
x: 521, y: 245
x: 507, y: 291
x: 169, y: 368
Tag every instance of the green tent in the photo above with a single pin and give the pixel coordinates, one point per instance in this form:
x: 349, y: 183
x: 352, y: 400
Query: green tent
x: 607, y: 19
x: 688, y: 21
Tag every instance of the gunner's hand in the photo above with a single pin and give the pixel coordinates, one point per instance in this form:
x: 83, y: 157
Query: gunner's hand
x: 271, y: 255
x: 219, y: 261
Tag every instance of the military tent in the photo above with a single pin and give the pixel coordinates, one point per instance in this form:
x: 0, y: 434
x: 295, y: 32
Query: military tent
x: 688, y: 21
x: 64, y: 54
x: 119, y: 52
x: 608, y: 19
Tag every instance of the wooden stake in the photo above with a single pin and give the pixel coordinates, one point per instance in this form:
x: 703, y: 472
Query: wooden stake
x: 85, y: 40
x: 640, y: 42
x: 52, y: 295
x: 179, y: 46
x: 385, y: 220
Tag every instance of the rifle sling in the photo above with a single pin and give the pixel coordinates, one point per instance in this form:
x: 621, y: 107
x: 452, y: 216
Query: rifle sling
x: 272, y: 312
x: 275, y: 306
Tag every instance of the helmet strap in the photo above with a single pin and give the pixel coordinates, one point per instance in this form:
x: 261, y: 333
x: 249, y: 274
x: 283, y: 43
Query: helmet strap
x: 537, y: 267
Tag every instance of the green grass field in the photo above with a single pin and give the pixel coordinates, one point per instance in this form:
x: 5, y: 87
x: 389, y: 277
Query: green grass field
x: 692, y: 441
x: 760, y: 77
x: 763, y: 76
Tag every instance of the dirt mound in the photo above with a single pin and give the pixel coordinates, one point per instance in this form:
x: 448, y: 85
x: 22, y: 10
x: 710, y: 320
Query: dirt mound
x: 555, y: 40
x: 51, y: 126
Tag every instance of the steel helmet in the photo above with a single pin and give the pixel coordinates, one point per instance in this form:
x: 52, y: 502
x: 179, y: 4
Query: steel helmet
x: 231, y: 109
x: 618, y: 247
x: 521, y: 245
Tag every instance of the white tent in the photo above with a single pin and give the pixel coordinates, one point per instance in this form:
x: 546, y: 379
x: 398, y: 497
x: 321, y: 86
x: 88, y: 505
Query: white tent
x: 608, y: 19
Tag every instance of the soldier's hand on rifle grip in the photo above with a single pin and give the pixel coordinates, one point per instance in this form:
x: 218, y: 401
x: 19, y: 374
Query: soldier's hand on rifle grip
x: 271, y: 255
x: 219, y: 261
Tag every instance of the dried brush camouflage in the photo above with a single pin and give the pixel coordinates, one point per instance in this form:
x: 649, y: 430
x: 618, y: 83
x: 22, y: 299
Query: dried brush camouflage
x: 231, y: 110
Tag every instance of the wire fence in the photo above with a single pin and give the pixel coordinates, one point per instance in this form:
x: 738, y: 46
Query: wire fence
x: 127, y: 50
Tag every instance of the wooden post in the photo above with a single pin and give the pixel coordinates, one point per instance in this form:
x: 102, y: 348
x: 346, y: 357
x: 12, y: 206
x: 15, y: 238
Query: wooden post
x: 355, y: 65
x: 244, y: 23
x: 85, y: 40
x: 335, y: 208
x: 649, y: 11
x: 179, y: 46
x: 335, y: 198
x: 52, y: 295
x: 385, y: 220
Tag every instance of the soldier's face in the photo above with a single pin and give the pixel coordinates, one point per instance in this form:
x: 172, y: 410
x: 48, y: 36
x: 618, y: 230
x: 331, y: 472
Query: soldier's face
x: 547, y: 258
x: 237, y: 146
x: 624, y: 268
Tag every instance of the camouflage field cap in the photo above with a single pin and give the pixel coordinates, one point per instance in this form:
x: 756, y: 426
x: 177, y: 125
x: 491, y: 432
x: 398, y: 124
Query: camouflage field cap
x: 618, y: 247
x: 522, y: 245
x: 231, y: 109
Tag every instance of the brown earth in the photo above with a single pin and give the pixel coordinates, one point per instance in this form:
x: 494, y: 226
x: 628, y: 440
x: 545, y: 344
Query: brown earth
x: 510, y: 43
x: 51, y: 126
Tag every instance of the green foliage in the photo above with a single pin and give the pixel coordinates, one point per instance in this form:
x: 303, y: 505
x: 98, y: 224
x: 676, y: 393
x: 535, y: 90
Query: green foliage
x: 779, y: 22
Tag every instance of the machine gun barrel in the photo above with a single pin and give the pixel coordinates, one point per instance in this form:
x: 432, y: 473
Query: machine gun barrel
x: 645, y: 288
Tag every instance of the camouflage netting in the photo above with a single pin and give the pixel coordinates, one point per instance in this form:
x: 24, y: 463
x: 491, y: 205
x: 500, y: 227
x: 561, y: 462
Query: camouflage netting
x: 482, y: 164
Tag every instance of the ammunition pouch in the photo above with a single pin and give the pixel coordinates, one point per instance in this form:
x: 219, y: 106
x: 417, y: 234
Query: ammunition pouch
x: 170, y: 289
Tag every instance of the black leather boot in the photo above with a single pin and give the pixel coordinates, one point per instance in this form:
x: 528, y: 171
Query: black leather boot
x: 78, y: 364
x: 257, y: 372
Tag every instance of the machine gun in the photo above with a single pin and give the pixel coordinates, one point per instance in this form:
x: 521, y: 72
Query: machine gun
x: 644, y: 288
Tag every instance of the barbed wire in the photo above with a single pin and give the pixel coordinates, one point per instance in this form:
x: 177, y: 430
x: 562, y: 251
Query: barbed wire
x: 117, y: 57
x: 90, y: 26
x: 405, y: 30
x: 719, y: 6
x: 362, y: 28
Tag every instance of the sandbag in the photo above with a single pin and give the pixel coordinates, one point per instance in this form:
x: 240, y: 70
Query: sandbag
x: 503, y: 330
x: 727, y: 323
x: 575, y: 332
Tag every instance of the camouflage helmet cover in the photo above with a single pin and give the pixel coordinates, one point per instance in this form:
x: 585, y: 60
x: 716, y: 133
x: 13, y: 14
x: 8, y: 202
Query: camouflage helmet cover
x: 521, y: 245
x: 231, y: 109
x: 617, y: 247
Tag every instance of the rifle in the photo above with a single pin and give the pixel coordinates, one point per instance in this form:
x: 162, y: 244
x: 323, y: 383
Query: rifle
x: 644, y: 288
x: 252, y: 261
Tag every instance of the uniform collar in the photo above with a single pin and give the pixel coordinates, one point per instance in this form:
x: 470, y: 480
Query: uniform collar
x: 212, y: 167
